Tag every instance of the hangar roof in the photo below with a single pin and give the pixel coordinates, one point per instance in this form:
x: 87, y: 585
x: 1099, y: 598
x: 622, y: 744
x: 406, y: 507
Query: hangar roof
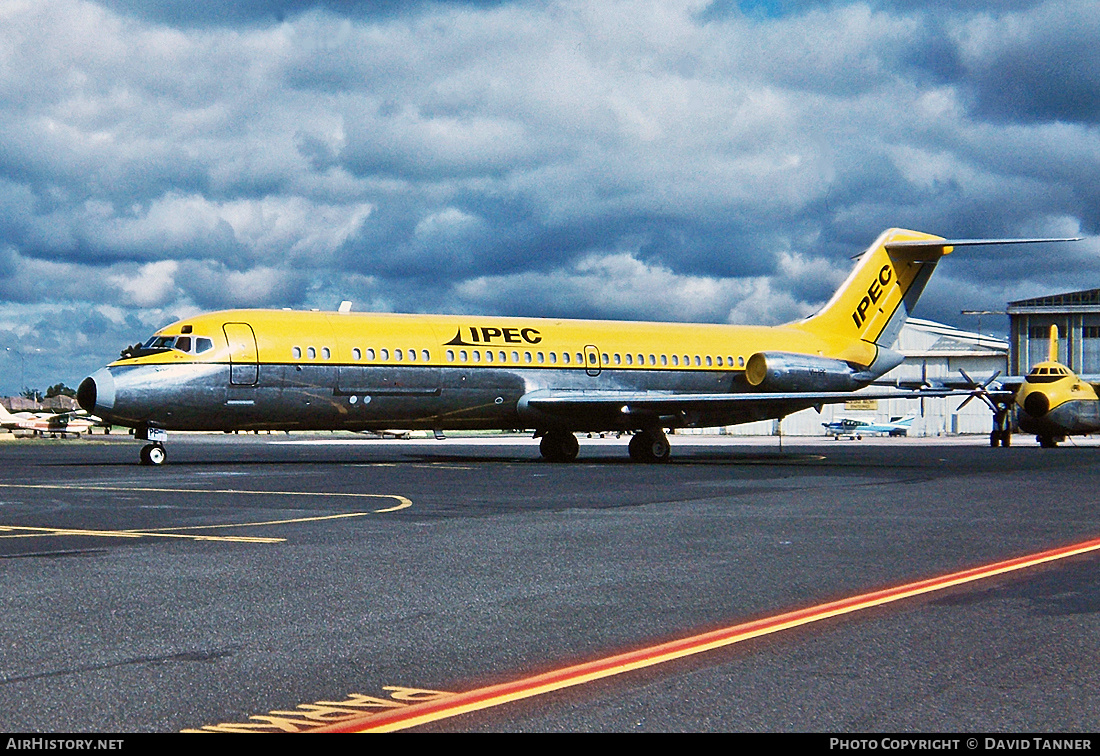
x: 1087, y: 300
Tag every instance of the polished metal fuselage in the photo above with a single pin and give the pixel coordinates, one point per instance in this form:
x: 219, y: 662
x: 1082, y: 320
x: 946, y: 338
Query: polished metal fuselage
x: 204, y: 396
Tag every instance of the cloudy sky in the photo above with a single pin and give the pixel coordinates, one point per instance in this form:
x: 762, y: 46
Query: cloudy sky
x: 641, y: 159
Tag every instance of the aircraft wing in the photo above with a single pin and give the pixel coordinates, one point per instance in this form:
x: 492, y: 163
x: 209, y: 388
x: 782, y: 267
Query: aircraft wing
x: 650, y: 403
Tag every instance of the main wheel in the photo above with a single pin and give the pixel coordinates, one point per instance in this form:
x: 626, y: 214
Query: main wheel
x: 650, y: 446
x: 153, y: 454
x: 559, y: 446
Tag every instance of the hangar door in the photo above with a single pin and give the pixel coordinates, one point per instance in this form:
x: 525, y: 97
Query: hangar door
x: 244, y: 357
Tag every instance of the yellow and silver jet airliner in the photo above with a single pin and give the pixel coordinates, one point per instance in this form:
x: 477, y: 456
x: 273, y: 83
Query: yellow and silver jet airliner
x: 284, y: 370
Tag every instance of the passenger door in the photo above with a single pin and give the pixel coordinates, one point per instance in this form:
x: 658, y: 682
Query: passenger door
x: 244, y: 357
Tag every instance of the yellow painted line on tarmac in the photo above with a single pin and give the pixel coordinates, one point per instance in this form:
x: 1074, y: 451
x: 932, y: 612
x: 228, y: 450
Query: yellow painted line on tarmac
x: 579, y: 674
x: 19, y: 531
x: 402, y: 502
x: 33, y: 532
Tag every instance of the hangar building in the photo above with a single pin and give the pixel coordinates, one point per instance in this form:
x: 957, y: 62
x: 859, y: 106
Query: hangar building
x: 1077, y: 315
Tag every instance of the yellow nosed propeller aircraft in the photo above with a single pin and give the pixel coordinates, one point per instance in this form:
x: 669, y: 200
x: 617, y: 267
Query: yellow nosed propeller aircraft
x: 1054, y: 402
x: 283, y: 370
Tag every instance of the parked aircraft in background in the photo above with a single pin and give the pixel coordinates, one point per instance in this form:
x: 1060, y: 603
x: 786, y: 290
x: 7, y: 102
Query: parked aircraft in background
x: 855, y: 429
x: 44, y: 423
x: 1054, y: 402
x: 283, y: 370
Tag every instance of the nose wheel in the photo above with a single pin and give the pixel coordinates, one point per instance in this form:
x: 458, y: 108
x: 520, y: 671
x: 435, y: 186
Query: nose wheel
x: 153, y: 454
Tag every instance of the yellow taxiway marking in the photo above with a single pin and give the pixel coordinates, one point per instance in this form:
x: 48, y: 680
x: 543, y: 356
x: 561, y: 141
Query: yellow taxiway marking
x: 402, y: 502
x: 20, y: 531
x: 579, y: 674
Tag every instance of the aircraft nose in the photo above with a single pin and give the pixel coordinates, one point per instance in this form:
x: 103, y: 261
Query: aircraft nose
x: 96, y: 393
x: 1036, y: 404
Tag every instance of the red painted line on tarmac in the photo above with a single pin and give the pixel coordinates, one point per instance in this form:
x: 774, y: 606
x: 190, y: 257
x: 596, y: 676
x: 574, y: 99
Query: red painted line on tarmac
x: 527, y: 687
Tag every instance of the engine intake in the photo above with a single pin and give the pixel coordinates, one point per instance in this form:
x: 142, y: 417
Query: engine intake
x: 784, y: 371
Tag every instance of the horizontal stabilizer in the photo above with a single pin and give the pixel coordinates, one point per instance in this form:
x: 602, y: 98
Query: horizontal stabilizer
x: 941, y: 243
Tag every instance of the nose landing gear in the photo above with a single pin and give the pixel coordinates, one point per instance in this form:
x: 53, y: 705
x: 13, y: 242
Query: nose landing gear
x: 153, y: 453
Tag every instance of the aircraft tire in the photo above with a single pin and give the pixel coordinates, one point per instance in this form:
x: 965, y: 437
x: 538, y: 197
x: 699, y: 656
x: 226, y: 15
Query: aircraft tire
x: 650, y: 446
x: 1047, y: 442
x: 154, y: 455
x: 995, y: 439
x: 559, y: 446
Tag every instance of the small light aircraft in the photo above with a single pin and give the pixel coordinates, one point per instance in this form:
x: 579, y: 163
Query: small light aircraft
x: 855, y: 429
x: 44, y: 423
x: 284, y: 370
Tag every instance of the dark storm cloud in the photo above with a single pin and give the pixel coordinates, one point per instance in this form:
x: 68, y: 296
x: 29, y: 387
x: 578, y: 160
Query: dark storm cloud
x: 187, y: 13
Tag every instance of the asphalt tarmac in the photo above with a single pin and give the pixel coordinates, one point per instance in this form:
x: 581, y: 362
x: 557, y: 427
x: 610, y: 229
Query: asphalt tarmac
x: 275, y: 583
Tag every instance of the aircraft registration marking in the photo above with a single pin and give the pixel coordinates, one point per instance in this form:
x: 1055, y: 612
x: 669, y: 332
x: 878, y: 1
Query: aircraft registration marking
x: 496, y: 695
x: 26, y: 531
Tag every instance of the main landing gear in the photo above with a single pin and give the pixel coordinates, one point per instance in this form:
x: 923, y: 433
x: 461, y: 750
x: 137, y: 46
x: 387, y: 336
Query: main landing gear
x: 645, y: 446
x: 650, y: 446
x: 559, y: 446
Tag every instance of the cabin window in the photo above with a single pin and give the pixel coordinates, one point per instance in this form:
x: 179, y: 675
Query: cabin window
x: 527, y: 357
x: 370, y: 354
x: 553, y: 358
x: 503, y: 356
x: 296, y: 352
x: 412, y: 355
x: 580, y: 359
x: 605, y: 360
x: 541, y: 358
x: 462, y: 356
x: 618, y: 359
x: 740, y: 361
x: 424, y: 355
x: 356, y: 354
x: 629, y: 359
x: 664, y: 359
x: 675, y: 360
x: 565, y: 358
x: 709, y: 361
x: 515, y: 356
x: 384, y: 354
x: 325, y: 353
x: 477, y: 355
x: 450, y: 355
x: 698, y: 362
x: 489, y: 355
x: 719, y: 358
x: 652, y: 359
x: 397, y: 355
x: 311, y: 353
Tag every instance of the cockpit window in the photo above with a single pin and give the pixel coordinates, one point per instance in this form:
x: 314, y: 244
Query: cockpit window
x: 158, y: 344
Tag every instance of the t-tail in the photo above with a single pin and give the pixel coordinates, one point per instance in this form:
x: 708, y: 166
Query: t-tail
x: 863, y: 319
